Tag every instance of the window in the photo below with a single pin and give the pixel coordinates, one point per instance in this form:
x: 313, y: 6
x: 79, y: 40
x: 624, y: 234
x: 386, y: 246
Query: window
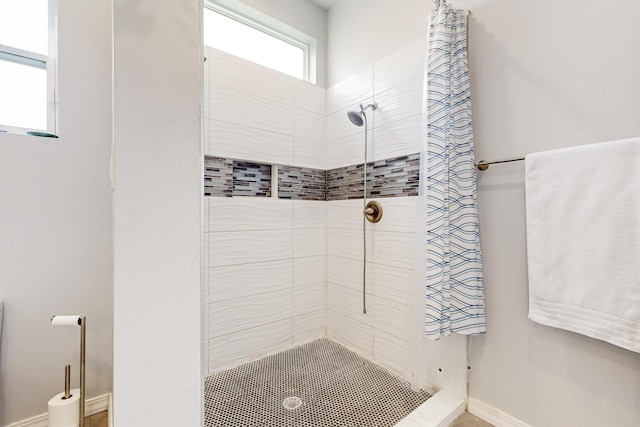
x: 258, y: 38
x: 27, y: 77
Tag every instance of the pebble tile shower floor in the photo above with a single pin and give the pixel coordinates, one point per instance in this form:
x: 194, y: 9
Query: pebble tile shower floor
x: 336, y: 388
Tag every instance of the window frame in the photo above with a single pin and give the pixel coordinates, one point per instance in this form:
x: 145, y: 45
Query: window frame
x: 268, y: 25
x: 45, y: 62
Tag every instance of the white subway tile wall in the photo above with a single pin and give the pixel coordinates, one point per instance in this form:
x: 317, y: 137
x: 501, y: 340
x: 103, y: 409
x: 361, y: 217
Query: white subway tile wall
x: 262, y: 295
x: 395, y: 129
x: 238, y: 141
x: 228, y: 351
x: 248, y: 312
x: 255, y: 110
x: 351, y: 91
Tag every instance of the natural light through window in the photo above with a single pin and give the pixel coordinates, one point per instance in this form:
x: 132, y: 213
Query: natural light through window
x: 24, y: 24
x: 23, y: 96
x: 240, y: 39
x: 25, y: 65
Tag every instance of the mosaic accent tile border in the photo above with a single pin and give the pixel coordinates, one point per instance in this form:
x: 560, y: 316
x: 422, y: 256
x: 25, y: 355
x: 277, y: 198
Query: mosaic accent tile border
x: 251, y: 179
x: 218, y: 177
x: 231, y: 178
x: 345, y: 183
x: 296, y: 183
x: 396, y: 177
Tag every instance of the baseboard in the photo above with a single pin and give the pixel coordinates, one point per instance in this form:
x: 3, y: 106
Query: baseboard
x: 97, y: 404
x: 93, y: 406
x: 493, y: 415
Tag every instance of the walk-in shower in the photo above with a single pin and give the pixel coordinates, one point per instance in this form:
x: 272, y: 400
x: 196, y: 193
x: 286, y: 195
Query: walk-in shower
x: 284, y: 234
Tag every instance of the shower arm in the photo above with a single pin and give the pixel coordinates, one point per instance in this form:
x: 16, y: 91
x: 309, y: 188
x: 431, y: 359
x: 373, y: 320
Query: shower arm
x: 373, y: 106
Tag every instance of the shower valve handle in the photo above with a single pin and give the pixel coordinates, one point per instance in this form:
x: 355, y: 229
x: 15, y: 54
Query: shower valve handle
x: 373, y: 211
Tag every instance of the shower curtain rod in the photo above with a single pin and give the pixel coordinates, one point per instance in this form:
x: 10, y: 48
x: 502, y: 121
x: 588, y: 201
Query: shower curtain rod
x: 483, y: 165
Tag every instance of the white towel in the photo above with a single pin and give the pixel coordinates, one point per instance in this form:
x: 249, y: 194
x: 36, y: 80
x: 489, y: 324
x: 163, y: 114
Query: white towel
x: 583, y: 240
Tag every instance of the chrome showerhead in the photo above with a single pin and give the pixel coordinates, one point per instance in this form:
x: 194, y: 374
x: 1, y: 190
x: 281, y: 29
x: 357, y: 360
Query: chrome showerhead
x: 358, y: 117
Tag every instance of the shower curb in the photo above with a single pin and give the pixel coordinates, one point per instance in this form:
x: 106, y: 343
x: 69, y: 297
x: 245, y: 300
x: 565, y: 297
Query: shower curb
x: 439, y: 411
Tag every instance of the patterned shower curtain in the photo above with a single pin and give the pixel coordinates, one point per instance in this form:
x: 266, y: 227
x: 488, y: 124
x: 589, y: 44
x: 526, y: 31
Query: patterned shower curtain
x: 454, y: 285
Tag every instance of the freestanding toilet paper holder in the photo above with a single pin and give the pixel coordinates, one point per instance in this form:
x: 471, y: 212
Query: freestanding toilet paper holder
x: 82, y: 322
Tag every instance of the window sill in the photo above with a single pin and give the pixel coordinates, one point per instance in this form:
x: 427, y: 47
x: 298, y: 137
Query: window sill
x: 29, y: 133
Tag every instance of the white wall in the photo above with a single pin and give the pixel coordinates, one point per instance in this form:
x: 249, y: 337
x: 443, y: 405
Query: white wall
x: 265, y: 265
x: 303, y: 16
x: 55, y: 223
x: 544, y: 75
x: 361, y: 32
x: 157, y: 213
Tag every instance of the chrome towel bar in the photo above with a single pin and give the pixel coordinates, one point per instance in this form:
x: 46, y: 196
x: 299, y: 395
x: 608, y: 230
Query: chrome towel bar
x: 483, y: 165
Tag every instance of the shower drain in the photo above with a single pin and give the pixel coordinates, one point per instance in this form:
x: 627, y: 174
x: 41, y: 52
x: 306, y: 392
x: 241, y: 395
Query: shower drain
x: 292, y: 403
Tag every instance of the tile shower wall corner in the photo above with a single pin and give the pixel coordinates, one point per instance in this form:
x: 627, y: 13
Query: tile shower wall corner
x: 345, y: 144
x: 309, y: 326
x: 400, y: 106
x: 348, y: 150
x: 352, y: 334
x: 395, y: 177
x: 350, y: 92
x: 339, y: 126
x: 396, y: 130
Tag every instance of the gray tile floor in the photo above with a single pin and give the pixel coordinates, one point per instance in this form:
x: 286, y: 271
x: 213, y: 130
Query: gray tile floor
x: 470, y: 420
x: 317, y: 384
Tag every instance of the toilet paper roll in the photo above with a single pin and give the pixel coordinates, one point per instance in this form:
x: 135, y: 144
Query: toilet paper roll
x: 65, y: 320
x: 65, y: 412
